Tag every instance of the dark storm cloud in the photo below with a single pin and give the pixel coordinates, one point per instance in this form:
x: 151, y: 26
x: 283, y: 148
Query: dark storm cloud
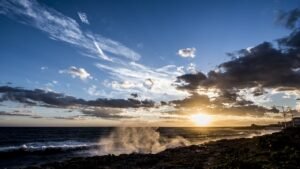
x: 292, y: 41
x: 289, y: 19
x: 263, y: 66
x: 33, y: 96
x: 106, y: 113
x: 258, y: 91
x: 15, y: 113
x: 120, y: 103
x: 253, y: 109
x: 45, y: 98
x: 192, y: 81
x: 134, y: 95
x: 194, y: 100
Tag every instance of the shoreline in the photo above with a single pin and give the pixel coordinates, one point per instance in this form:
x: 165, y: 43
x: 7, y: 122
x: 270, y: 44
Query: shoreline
x: 277, y: 150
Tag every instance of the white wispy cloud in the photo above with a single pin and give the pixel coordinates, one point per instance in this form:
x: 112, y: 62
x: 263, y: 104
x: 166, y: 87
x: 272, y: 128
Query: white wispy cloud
x: 156, y: 84
x: 124, y: 85
x: 63, y: 28
x: 50, y: 85
x: 93, y: 91
x: 101, y: 53
x: 83, y: 17
x: 44, y: 67
x: 77, y: 72
x: 192, y: 68
x: 187, y: 52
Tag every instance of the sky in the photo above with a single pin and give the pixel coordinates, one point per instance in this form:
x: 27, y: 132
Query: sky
x: 148, y: 63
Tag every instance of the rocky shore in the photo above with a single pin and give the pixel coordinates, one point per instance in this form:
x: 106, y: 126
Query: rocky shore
x: 277, y: 151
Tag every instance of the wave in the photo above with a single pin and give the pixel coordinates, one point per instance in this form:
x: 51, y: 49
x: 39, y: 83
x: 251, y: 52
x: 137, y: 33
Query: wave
x: 46, y: 148
x: 126, y: 140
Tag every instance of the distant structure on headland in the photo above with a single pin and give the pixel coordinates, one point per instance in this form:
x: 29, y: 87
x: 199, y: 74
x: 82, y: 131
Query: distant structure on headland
x: 295, y: 122
x: 286, y: 111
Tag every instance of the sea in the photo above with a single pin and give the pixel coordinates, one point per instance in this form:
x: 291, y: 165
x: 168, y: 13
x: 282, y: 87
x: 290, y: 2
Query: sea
x: 27, y: 146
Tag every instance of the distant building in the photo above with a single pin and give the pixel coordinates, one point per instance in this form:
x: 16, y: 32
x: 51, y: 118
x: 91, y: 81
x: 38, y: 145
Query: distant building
x: 296, y: 121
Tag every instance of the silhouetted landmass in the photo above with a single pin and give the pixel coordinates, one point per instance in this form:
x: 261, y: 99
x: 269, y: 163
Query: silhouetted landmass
x: 278, y: 151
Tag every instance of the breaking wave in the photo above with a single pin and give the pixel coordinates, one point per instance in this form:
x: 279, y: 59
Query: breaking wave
x: 125, y: 140
x: 46, y: 148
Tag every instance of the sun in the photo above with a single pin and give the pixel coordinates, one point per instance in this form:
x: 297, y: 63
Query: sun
x: 201, y: 119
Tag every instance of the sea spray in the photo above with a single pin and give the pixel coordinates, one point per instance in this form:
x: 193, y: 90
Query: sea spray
x: 126, y: 140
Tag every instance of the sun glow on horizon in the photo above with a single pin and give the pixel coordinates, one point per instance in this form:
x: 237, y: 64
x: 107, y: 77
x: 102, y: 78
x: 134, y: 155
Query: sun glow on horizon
x: 201, y: 119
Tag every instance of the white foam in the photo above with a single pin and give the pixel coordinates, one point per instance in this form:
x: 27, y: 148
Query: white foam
x: 39, y: 146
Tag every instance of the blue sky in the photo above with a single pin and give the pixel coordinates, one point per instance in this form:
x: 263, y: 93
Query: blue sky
x: 110, y: 49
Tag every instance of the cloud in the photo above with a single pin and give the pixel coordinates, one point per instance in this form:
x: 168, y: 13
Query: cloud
x: 106, y: 113
x: 14, y: 113
x: 77, y: 72
x: 63, y: 28
x: 69, y: 117
x: 83, y: 17
x: 289, y: 19
x: 194, y: 100
x: 44, y: 68
x: 264, y: 66
x: 134, y: 95
x: 192, y: 68
x: 92, y: 90
x: 101, y: 53
x: 190, y: 81
x: 187, y: 52
x: 291, y: 41
x: 44, y: 98
x: 148, y: 82
x: 124, y: 85
x: 226, y: 104
x: 19, y: 114
x: 50, y: 85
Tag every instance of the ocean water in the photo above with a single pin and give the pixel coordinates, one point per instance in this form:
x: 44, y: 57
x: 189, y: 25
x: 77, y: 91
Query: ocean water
x: 20, y: 147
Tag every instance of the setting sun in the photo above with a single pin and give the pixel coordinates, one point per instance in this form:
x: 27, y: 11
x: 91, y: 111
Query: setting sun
x: 201, y: 119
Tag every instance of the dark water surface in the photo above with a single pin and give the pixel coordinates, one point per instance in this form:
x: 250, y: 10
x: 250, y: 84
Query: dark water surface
x: 21, y: 147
